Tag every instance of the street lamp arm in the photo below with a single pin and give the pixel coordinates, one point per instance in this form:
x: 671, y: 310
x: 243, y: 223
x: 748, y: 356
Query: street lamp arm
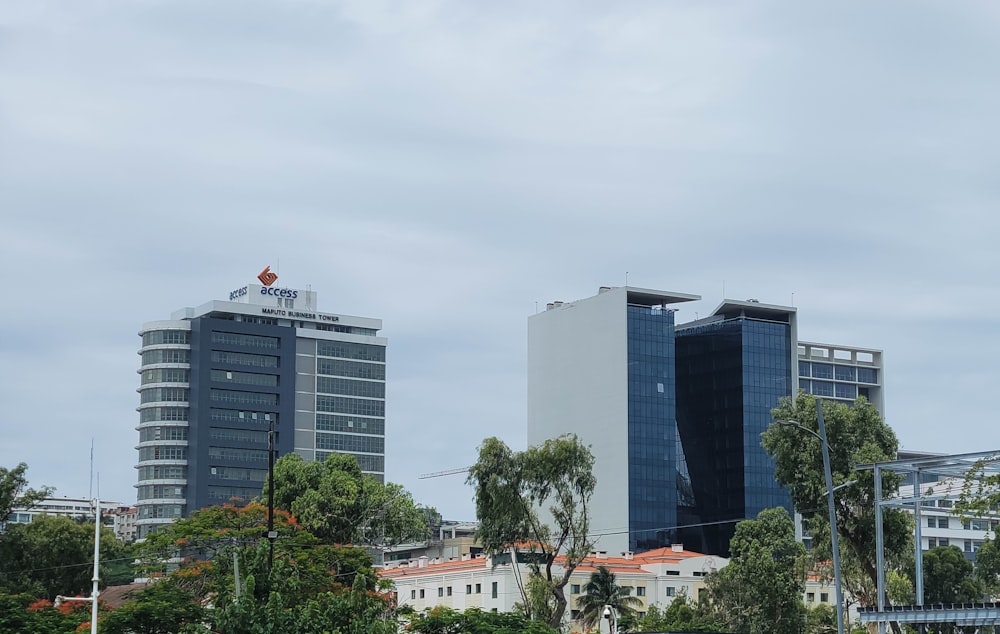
x: 795, y: 423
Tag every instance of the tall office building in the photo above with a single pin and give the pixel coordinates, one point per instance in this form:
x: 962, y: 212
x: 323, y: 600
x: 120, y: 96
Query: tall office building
x: 673, y: 412
x: 216, y: 378
x: 732, y: 369
x: 603, y: 368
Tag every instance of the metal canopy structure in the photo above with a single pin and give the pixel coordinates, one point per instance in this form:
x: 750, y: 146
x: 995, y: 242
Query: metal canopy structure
x: 949, y: 474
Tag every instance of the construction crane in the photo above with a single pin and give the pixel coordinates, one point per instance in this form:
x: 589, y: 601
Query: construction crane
x: 438, y: 474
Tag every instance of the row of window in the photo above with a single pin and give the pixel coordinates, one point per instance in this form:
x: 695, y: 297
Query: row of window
x: 343, y: 405
x: 825, y: 388
x: 238, y: 473
x: 160, y: 510
x: 164, y: 394
x: 237, y: 455
x: 237, y: 435
x: 163, y: 472
x: 334, y: 422
x: 148, y: 434
x: 223, y: 494
x: 241, y: 416
x: 166, y: 375
x: 246, y: 341
x: 349, y: 443
x: 158, y: 337
x: 160, y: 492
x: 243, y: 398
x: 245, y: 378
x: 163, y: 413
x: 350, y: 387
x: 163, y: 453
x: 967, y: 524
x: 345, y: 350
x: 838, y: 372
x: 640, y: 591
x: 354, y: 369
x: 446, y: 591
x: 244, y: 358
x: 152, y: 357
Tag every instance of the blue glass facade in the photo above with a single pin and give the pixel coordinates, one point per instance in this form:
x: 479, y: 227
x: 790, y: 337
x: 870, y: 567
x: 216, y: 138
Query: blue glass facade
x: 652, y: 463
x: 233, y: 400
x: 730, y: 374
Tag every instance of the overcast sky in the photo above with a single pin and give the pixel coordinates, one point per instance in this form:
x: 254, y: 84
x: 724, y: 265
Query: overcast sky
x: 447, y: 166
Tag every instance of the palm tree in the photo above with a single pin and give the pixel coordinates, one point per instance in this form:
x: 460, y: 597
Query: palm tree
x: 601, y: 591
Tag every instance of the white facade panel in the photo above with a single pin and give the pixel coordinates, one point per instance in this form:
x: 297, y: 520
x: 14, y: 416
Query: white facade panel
x: 578, y: 383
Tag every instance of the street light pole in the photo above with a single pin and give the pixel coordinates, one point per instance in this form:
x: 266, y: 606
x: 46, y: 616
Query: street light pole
x: 94, y: 592
x: 833, y: 516
x: 830, y: 505
x: 271, y: 535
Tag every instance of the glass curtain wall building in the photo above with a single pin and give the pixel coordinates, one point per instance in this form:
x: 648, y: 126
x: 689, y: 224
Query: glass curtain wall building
x: 215, y: 379
x: 732, y: 369
x: 673, y: 412
x: 603, y: 369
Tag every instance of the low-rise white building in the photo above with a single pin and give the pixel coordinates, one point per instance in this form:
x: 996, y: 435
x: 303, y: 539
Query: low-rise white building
x: 492, y: 584
x: 75, y: 508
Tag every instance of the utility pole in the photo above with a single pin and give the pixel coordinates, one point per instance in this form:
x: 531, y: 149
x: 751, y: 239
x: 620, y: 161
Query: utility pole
x: 271, y: 533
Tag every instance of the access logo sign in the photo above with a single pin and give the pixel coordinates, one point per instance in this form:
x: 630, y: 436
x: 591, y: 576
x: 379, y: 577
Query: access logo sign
x: 267, y: 277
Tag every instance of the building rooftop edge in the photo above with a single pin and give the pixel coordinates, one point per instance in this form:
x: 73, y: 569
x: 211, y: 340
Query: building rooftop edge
x: 652, y: 297
x: 729, y: 305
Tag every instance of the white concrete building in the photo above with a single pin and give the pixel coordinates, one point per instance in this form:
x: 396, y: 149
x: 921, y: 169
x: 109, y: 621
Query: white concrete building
x: 656, y: 578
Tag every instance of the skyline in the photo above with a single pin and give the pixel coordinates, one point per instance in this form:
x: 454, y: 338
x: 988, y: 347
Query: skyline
x: 450, y: 167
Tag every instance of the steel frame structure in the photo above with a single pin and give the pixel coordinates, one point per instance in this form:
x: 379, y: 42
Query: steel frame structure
x: 956, y: 467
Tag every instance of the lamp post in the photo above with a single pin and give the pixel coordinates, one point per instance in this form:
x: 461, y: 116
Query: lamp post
x: 830, y: 506
x: 94, y: 592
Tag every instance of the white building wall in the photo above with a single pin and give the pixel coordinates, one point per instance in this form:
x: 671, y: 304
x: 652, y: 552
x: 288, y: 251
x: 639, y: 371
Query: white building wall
x: 578, y: 383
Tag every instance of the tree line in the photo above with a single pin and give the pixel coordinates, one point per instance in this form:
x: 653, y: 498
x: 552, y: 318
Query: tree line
x: 216, y: 573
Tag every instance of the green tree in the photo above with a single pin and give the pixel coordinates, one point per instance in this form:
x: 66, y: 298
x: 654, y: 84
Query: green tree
x: 821, y: 619
x: 855, y: 435
x: 53, y: 555
x: 511, y: 487
x: 208, y: 541
x: 602, y: 590
x: 26, y: 613
x: 336, y: 502
x: 162, y: 608
x: 14, y: 491
x: 440, y: 620
x: 988, y: 566
x: 760, y: 591
x: 680, y: 616
x: 949, y: 578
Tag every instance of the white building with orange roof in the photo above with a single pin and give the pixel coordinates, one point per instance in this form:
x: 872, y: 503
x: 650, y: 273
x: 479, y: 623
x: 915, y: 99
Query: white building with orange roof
x: 493, y: 584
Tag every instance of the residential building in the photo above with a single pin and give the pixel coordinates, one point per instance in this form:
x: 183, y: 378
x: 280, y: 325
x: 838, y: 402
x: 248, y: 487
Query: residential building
x: 73, y: 508
x: 939, y: 525
x: 673, y: 412
x: 451, y: 540
x: 216, y: 379
x: 493, y: 584
x: 123, y: 519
